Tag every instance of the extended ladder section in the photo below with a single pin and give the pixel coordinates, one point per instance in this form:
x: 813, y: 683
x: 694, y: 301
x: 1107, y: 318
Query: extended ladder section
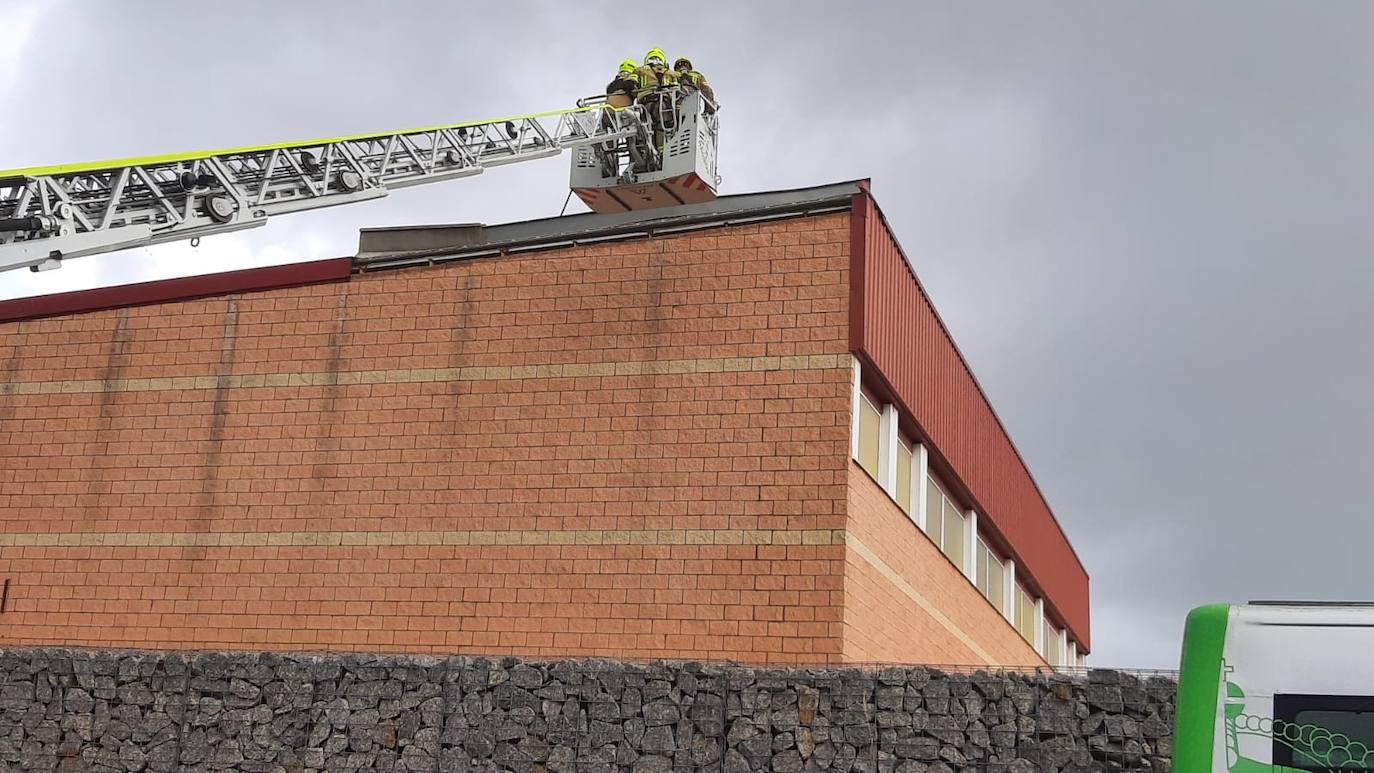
x: 48, y: 214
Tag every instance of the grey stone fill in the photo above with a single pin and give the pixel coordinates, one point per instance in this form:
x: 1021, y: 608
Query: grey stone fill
x: 89, y: 710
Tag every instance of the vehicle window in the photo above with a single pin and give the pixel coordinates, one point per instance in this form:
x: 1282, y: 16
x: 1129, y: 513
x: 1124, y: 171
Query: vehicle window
x: 1320, y: 732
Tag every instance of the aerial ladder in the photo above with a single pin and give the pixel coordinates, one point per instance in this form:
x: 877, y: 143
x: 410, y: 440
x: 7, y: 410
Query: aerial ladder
x: 50, y: 214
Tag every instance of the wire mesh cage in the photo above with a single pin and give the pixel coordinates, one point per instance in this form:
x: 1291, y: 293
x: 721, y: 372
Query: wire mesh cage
x: 77, y: 710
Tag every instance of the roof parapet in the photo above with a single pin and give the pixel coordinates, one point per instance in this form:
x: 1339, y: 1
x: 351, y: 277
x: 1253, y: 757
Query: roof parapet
x: 400, y: 247
x: 393, y: 241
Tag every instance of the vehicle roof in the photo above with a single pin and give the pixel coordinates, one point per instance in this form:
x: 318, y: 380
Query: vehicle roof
x: 1306, y: 613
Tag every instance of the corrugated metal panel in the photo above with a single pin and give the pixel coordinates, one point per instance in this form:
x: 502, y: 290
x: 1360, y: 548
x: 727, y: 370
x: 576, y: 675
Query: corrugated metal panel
x: 895, y: 328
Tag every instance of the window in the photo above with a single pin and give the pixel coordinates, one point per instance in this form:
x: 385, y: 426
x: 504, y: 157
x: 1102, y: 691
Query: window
x: 944, y: 523
x: 954, y: 534
x: 1318, y: 732
x: 935, y: 519
x: 904, y: 465
x: 899, y: 465
x: 1025, y: 614
x: 991, y: 574
x: 870, y: 436
x: 1054, y: 654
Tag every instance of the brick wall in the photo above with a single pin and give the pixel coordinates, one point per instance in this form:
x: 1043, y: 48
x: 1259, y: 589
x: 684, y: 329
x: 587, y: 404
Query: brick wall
x: 905, y: 602
x: 628, y: 450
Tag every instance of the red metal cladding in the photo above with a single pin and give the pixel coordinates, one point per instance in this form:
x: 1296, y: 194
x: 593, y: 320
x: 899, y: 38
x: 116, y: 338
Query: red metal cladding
x: 180, y: 289
x: 895, y: 329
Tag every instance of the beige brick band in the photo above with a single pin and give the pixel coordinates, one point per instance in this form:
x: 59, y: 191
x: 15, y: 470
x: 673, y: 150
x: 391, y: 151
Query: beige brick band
x: 891, y: 575
x: 371, y: 538
x: 428, y: 375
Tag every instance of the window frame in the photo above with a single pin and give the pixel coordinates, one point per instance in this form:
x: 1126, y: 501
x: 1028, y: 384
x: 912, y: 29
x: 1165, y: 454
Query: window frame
x: 1025, y: 605
x: 956, y: 517
x: 947, y: 506
x: 1053, y: 643
x: 934, y: 522
x: 908, y: 452
x: 985, y: 555
x: 974, y: 551
x: 876, y: 472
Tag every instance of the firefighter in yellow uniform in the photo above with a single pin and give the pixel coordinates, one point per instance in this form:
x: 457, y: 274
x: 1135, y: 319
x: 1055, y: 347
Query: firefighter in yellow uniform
x: 655, y: 73
x: 657, y: 93
x: 648, y: 80
x: 621, y: 91
x: 691, y: 79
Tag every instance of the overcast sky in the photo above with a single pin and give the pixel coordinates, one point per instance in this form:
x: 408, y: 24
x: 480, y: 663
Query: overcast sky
x: 1147, y: 223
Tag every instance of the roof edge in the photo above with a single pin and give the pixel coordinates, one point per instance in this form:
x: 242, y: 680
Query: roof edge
x: 591, y: 227
x: 518, y: 236
x: 179, y: 289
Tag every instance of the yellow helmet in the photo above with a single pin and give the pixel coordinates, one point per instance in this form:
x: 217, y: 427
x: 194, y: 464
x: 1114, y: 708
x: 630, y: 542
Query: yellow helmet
x: 628, y: 65
x: 681, y: 60
x: 656, y: 53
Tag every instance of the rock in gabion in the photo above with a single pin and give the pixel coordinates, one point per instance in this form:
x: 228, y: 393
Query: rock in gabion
x: 79, y: 710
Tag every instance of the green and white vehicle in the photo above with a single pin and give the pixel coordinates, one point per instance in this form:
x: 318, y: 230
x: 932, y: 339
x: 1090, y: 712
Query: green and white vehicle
x: 1276, y: 686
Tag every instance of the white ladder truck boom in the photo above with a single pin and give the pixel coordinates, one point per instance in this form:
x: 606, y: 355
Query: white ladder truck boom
x: 49, y: 214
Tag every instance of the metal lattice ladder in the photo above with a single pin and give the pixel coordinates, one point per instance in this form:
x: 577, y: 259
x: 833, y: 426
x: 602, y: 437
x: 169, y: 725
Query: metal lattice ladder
x: 52, y: 213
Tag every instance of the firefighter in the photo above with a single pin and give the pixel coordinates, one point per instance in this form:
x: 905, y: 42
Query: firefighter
x: 654, y: 80
x: 621, y: 91
x: 659, y: 94
x: 655, y: 73
x: 691, y: 79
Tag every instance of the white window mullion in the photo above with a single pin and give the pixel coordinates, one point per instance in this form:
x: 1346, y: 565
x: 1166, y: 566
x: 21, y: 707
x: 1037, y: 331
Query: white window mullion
x: 971, y: 546
x: 1040, y: 626
x: 854, y: 411
x: 887, y: 451
x: 1009, y: 600
x: 920, y: 468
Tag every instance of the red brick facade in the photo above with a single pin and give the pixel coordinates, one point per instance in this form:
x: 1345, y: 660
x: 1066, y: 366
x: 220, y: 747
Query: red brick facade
x: 638, y: 449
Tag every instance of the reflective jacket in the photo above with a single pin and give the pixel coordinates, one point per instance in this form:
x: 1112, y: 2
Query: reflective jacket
x: 626, y: 83
x: 693, y: 79
x: 666, y: 78
x: 648, y: 79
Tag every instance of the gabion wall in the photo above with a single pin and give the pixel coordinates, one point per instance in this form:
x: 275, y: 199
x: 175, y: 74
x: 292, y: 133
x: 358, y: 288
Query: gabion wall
x: 71, y: 710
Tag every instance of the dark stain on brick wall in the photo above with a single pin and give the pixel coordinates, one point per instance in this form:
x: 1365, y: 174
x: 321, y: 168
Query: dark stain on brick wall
x: 99, y: 468
x: 210, y: 483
